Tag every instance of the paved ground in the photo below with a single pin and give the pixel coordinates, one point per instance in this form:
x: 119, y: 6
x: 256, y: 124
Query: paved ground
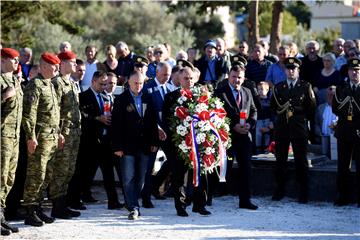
x: 273, y: 220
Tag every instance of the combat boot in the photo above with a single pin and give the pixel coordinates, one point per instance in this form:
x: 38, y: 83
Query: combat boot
x: 43, y: 216
x: 59, y: 209
x: 32, y: 218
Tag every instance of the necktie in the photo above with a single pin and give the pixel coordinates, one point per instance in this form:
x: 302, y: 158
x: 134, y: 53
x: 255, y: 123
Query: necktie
x: 291, y: 86
x: 238, y: 98
x: 101, y: 103
x: 162, y: 92
x: 353, y: 88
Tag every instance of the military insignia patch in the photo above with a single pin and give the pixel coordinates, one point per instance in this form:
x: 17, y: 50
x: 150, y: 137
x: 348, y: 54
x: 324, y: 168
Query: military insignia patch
x: 138, y: 59
x: 355, y: 61
x: 180, y: 63
x: 236, y: 59
x: 291, y: 60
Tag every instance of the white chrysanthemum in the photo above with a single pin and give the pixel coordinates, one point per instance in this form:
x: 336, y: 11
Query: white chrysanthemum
x: 218, y: 103
x: 212, y: 137
x: 208, y: 150
x: 188, y: 119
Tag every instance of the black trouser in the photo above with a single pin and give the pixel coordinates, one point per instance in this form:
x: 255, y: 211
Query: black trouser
x: 93, y: 154
x: 299, y: 146
x: 242, y: 149
x: 179, y: 181
x: 347, y: 150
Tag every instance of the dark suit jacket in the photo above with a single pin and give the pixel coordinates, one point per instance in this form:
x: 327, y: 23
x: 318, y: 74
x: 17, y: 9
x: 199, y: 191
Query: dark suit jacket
x: 92, y: 129
x: 168, y: 111
x: 153, y: 94
x: 233, y: 111
x: 202, y: 65
x: 346, y: 129
x: 303, y: 105
x: 131, y: 132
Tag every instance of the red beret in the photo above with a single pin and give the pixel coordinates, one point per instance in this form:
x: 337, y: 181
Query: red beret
x: 9, y: 53
x: 67, y: 55
x: 50, y: 58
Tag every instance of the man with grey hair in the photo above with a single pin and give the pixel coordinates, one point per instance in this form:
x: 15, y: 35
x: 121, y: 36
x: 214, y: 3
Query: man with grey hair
x: 65, y: 46
x: 25, y: 60
x: 221, y: 51
x: 311, y: 63
x: 126, y: 61
x: 338, y: 47
x: 342, y: 60
x: 155, y: 91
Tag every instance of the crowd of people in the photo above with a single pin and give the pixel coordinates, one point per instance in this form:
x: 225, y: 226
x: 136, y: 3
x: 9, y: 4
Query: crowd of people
x: 65, y: 117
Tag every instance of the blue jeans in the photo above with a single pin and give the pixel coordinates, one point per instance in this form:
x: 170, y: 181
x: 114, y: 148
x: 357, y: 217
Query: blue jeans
x: 133, y: 170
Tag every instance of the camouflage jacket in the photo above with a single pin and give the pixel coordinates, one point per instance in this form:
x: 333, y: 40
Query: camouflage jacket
x: 68, y: 99
x: 41, y: 113
x: 11, y: 108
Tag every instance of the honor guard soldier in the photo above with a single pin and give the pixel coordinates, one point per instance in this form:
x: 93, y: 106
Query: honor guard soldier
x: 346, y: 105
x: 11, y: 112
x: 41, y: 119
x: 293, y: 101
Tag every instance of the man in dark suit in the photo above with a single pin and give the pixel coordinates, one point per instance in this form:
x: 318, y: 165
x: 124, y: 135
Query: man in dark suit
x: 134, y: 137
x: 293, y: 102
x: 155, y: 90
x: 238, y: 102
x: 180, y: 170
x: 345, y: 105
x: 210, y: 65
x: 94, y: 146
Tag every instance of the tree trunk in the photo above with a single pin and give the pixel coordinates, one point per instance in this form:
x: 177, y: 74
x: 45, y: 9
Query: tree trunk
x: 253, y: 26
x: 276, y: 26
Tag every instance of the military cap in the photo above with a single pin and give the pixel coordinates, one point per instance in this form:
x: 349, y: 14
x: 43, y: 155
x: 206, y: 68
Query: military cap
x: 9, y: 53
x: 141, y: 61
x: 292, y: 62
x: 50, y: 58
x: 354, y: 63
x: 211, y: 43
x: 67, y: 55
x: 184, y: 63
x: 238, y: 60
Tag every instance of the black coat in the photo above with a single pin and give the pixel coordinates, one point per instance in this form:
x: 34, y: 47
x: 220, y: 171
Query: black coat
x: 233, y: 111
x: 220, y: 69
x: 345, y: 128
x: 302, y: 105
x: 131, y: 132
x: 92, y: 129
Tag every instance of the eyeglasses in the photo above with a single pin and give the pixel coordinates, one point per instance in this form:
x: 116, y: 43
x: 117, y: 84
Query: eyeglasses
x: 158, y: 52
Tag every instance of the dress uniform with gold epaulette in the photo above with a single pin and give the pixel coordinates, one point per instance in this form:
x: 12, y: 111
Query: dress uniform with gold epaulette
x: 346, y: 105
x: 293, y: 103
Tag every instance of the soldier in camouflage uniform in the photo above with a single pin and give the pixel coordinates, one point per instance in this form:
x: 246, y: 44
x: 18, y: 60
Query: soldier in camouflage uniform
x: 65, y: 158
x: 11, y: 111
x: 41, y: 119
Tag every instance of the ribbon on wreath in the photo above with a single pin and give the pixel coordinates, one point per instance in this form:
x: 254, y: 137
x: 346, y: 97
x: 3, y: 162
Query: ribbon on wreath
x: 195, y: 155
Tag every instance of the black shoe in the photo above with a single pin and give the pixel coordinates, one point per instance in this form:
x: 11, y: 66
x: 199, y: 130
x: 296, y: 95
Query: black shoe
x: 303, y: 200
x: 201, y: 211
x: 77, y: 206
x: 73, y: 213
x: 8, y: 226
x: 32, y: 218
x: 134, y: 214
x: 5, y: 232
x: 89, y: 199
x: 278, y: 195
x: 209, y: 202
x: 158, y: 196
x: 340, y: 202
x: 248, y: 205
x: 45, y: 218
x: 182, y: 212
x: 115, y: 205
x: 147, y: 204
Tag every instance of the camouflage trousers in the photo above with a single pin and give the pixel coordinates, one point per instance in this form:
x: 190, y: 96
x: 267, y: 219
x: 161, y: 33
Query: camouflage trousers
x: 9, y: 160
x: 40, y: 169
x: 64, y: 164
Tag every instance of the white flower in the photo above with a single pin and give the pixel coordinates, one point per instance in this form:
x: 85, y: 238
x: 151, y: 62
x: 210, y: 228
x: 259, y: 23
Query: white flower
x: 188, y: 119
x: 208, y: 150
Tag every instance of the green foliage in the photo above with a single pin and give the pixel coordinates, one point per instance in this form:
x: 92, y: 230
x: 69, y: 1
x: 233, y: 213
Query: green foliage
x: 301, y: 11
x: 327, y: 37
x: 204, y: 28
x: 288, y: 27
